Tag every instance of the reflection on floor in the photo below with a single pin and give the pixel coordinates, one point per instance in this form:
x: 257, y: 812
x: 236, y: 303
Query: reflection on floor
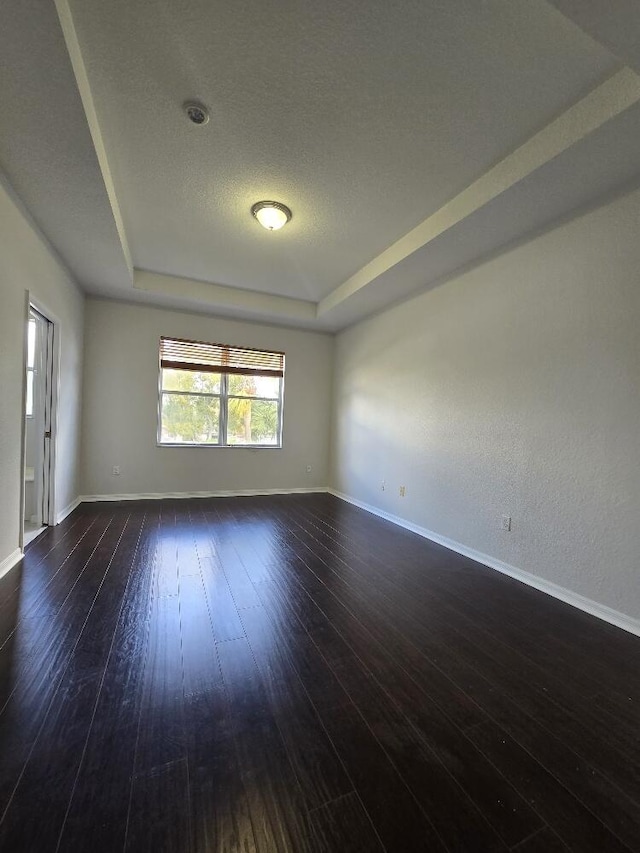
x: 31, y: 531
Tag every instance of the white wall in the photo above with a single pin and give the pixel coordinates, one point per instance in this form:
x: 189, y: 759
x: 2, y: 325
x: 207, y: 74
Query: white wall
x: 27, y: 263
x: 513, y: 389
x: 121, y: 405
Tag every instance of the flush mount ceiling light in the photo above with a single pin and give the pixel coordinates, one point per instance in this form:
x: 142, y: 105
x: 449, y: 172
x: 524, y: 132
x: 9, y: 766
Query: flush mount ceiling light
x: 271, y: 214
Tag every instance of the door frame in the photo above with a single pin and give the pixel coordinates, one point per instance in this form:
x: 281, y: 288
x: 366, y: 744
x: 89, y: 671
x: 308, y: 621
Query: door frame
x: 32, y: 301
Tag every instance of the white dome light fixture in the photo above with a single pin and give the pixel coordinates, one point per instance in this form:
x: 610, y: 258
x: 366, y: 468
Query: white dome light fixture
x: 271, y: 214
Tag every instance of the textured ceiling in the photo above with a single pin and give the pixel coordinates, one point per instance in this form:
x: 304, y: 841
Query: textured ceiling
x: 363, y: 117
x: 367, y: 119
x: 45, y: 145
x: 565, y: 186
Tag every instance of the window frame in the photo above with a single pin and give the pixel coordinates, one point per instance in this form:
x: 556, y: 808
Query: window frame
x: 223, y: 397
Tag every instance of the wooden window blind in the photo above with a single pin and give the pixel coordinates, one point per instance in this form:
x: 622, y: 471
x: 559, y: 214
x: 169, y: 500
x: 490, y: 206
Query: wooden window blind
x: 219, y: 358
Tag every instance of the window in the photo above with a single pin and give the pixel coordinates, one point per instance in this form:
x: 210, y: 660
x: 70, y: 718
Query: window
x: 215, y: 394
x: 31, y: 364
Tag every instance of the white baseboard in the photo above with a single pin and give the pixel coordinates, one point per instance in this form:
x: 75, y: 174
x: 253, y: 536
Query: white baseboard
x: 146, y: 496
x: 607, y: 614
x: 68, y: 510
x: 9, y: 562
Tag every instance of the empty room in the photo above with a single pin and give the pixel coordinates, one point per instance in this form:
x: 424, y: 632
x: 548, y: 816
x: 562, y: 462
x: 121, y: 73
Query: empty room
x: 320, y: 426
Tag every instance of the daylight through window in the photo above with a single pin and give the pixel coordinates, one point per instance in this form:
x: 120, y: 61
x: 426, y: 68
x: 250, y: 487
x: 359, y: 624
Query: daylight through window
x: 216, y: 394
x: 31, y: 364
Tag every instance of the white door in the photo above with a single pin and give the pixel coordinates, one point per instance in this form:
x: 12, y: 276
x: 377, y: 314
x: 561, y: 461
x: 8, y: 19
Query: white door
x: 47, y: 358
x: 37, y: 508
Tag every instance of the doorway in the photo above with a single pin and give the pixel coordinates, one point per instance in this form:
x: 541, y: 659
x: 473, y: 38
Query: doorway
x: 38, y: 404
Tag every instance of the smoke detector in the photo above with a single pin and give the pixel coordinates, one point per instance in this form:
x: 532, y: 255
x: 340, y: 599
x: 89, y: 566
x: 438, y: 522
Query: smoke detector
x: 196, y: 113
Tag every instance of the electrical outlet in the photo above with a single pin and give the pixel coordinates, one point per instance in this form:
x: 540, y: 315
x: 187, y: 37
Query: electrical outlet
x: 308, y: 469
x: 115, y: 470
x: 506, y: 522
x: 403, y: 491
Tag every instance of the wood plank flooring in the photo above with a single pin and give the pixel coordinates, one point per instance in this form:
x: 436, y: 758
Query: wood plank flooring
x: 290, y: 673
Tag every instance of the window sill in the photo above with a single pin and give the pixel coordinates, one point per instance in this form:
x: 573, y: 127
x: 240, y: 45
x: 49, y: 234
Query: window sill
x: 223, y: 446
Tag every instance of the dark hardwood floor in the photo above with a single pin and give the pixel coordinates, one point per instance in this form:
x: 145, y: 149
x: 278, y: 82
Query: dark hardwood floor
x: 293, y: 674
